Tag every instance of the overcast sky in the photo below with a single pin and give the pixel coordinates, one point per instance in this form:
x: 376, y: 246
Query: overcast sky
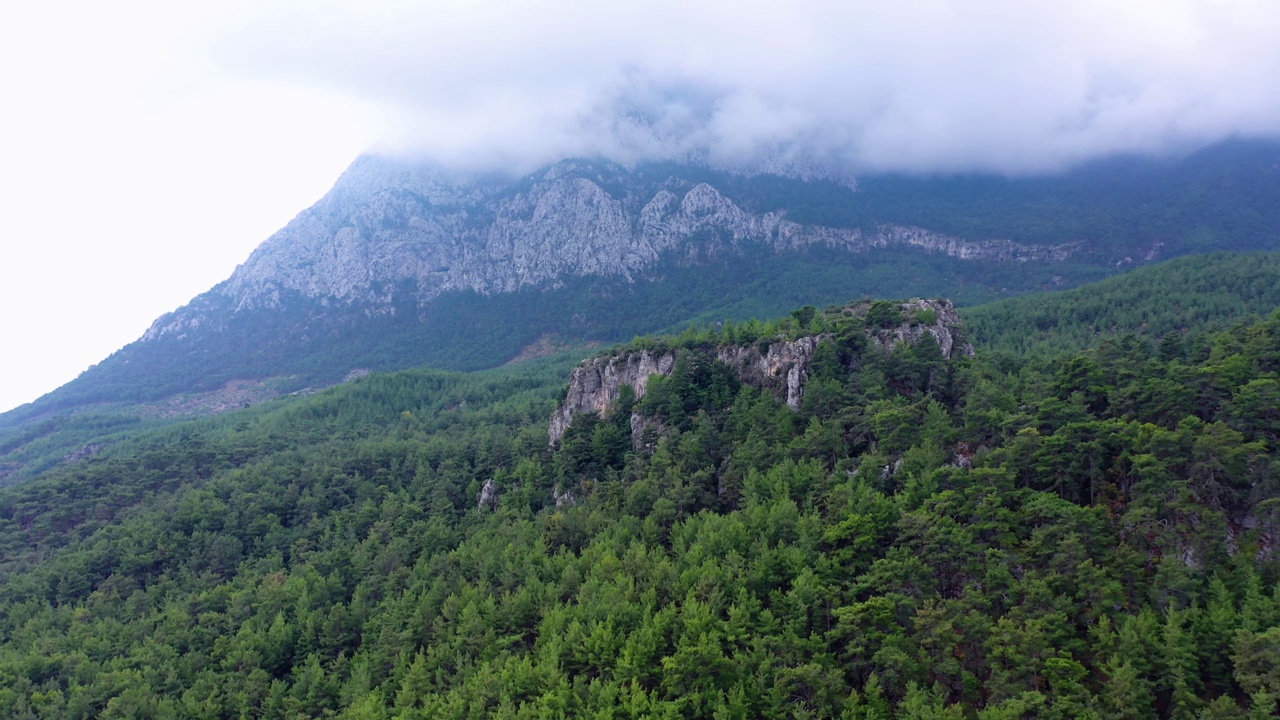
x: 147, y: 147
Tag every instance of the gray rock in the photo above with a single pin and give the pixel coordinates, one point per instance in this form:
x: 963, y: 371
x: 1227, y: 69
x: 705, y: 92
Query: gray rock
x: 390, y: 227
x: 943, y: 329
x: 781, y: 367
x: 595, y: 385
x: 488, y: 497
x: 564, y: 498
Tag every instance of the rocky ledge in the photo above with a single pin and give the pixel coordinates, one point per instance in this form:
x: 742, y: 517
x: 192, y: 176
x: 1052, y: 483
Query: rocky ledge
x: 781, y: 366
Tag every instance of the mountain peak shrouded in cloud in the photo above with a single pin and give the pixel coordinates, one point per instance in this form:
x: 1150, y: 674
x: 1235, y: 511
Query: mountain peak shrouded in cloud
x: 916, y: 86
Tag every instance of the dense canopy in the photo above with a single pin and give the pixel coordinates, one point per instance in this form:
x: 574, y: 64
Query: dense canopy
x: 1087, y: 533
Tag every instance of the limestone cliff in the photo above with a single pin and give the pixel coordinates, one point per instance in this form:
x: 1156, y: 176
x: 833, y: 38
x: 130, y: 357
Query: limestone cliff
x: 594, y: 386
x: 781, y: 366
x: 391, y: 230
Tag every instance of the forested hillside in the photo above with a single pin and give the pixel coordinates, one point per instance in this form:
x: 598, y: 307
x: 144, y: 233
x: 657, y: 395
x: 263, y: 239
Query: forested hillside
x: 307, y: 344
x: 1084, y: 534
x: 1187, y: 295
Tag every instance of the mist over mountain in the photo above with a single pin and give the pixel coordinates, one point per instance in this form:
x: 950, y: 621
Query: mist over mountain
x: 919, y: 86
x: 932, y: 364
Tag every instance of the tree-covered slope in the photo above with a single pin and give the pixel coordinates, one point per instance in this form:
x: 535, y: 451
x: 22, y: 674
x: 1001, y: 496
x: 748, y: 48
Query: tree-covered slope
x: 1218, y: 198
x: 1087, y: 535
x: 1176, y: 297
x: 307, y: 343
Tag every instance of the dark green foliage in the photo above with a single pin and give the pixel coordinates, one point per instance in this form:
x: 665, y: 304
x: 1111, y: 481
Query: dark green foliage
x: 804, y: 315
x: 1161, y: 303
x: 884, y: 314
x: 30, y: 449
x: 926, y: 317
x: 1084, y: 535
x: 1220, y: 198
x: 698, y: 384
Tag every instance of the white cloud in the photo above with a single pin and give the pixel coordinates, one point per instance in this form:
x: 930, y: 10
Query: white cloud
x: 1001, y: 85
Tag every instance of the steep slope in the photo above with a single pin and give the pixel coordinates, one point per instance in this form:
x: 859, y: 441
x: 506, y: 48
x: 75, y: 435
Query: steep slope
x: 1212, y: 291
x: 575, y: 219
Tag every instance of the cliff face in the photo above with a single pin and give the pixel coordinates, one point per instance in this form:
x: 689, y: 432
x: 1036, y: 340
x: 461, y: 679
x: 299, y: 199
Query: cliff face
x: 594, y: 386
x: 389, y: 230
x: 402, y: 264
x: 556, y: 227
x: 781, y: 367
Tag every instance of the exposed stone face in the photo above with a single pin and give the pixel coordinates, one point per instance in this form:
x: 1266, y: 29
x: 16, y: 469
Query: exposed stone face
x: 388, y: 228
x: 564, y: 498
x: 943, y: 330
x: 488, y: 497
x: 782, y: 367
x: 594, y: 386
x: 641, y: 437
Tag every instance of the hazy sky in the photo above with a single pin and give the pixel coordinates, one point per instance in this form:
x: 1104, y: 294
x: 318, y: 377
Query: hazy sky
x: 147, y: 147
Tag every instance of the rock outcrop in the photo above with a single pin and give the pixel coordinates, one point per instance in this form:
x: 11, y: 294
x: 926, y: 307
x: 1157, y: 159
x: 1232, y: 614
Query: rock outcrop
x: 945, y: 322
x: 781, y: 367
x: 488, y: 497
x: 595, y: 385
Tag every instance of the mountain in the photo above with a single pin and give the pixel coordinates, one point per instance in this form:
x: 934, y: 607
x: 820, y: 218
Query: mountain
x: 404, y: 264
x: 898, y: 533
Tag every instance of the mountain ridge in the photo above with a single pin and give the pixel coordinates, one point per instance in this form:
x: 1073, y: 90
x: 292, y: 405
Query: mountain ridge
x: 565, y: 224
x: 404, y: 264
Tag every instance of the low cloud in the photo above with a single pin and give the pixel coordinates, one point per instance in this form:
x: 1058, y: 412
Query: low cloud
x: 913, y: 85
